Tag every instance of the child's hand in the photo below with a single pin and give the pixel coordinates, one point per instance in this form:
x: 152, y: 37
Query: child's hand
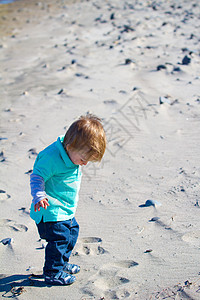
x: 43, y: 203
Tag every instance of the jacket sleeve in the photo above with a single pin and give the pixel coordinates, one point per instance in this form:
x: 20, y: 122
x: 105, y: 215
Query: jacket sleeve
x: 37, y: 188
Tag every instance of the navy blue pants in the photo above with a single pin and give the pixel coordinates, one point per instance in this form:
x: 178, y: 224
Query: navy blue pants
x: 61, y: 237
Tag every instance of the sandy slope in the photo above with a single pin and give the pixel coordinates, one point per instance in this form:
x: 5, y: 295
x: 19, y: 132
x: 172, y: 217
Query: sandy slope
x: 135, y: 64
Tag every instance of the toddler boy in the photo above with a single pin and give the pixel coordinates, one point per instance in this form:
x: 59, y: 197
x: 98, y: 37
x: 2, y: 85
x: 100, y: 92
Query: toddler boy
x: 55, y: 184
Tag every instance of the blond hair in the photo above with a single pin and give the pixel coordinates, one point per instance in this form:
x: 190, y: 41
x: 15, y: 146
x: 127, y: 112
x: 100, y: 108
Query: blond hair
x: 87, y: 134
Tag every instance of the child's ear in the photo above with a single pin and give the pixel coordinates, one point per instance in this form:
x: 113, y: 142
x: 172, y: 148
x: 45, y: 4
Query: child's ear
x: 66, y: 148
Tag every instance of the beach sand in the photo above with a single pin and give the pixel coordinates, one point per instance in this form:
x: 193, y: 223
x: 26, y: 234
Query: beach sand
x: 136, y: 65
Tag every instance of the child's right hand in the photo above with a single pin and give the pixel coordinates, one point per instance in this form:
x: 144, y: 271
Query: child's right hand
x: 43, y: 203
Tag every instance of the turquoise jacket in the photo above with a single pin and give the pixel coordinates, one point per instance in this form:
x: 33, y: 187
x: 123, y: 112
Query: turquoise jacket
x: 62, y: 180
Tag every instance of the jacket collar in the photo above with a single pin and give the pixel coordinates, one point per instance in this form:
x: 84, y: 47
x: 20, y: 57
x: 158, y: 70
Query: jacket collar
x: 63, y: 153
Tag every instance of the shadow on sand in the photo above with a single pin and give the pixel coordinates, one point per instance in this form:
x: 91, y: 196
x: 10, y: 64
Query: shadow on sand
x: 14, y: 285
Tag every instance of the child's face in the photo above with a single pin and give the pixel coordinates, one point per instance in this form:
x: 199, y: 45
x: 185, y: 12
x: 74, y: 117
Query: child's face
x: 77, y: 157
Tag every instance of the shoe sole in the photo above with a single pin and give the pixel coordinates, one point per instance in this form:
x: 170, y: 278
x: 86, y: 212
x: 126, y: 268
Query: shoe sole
x: 57, y: 282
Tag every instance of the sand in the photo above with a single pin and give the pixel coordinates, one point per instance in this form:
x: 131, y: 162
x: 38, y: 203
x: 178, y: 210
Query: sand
x: 136, y: 65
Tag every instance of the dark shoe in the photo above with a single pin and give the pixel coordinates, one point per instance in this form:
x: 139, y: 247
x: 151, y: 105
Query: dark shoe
x: 71, y: 268
x: 60, y: 278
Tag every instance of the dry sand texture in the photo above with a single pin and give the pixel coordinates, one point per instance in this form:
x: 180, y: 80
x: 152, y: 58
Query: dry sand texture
x: 135, y: 64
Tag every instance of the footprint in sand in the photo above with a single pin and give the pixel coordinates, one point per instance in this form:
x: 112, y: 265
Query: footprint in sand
x: 108, y: 280
x: 90, y: 246
x: 88, y: 240
x: 12, y: 225
x: 4, y: 196
x: 125, y: 264
x: 107, y: 276
x: 192, y: 237
x: 24, y: 211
